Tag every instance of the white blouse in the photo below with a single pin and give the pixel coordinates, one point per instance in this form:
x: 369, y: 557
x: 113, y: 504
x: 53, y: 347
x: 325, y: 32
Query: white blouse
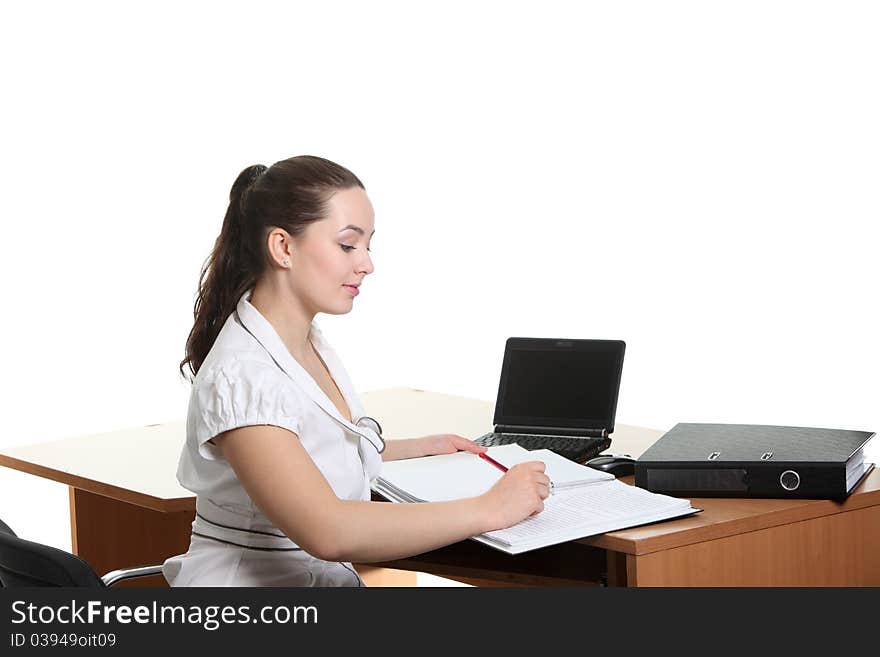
x: 250, y: 378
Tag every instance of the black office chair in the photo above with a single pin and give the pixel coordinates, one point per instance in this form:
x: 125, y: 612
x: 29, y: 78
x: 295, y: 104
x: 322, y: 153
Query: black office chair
x: 25, y: 563
x: 4, y: 528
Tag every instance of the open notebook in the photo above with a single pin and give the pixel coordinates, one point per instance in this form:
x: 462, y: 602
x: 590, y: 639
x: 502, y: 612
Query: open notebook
x: 585, y: 501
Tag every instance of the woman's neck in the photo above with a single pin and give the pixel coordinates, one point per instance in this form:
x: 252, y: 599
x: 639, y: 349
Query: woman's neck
x: 287, y: 316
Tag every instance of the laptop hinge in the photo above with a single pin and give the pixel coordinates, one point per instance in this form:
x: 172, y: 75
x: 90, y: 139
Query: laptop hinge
x: 551, y: 431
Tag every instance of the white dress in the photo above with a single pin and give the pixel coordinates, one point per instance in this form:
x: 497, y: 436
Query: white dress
x: 250, y: 378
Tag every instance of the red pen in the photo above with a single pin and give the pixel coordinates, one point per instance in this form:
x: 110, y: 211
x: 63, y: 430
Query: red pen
x: 489, y: 459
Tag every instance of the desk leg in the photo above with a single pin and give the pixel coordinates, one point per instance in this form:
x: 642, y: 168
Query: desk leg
x: 616, y: 573
x: 110, y: 534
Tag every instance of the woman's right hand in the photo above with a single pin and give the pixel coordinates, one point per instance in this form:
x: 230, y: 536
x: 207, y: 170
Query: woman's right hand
x: 520, y: 493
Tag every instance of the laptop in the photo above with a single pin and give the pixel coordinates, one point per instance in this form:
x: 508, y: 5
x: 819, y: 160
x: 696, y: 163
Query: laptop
x: 558, y: 394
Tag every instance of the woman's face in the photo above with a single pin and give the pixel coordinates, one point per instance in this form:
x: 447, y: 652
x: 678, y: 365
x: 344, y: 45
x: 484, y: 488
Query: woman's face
x: 330, y: 259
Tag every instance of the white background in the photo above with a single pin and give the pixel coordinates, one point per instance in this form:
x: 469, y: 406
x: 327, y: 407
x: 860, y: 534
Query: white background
x: 696, y: 178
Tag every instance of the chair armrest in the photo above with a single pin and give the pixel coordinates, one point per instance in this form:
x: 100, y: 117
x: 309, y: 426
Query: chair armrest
x: 115, y: 576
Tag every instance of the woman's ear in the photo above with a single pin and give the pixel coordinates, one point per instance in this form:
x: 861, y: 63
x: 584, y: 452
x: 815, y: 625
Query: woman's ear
x: 280, y: 246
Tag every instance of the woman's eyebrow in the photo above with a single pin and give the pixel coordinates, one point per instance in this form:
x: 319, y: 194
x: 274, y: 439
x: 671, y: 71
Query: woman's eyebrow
x: 357, y: 229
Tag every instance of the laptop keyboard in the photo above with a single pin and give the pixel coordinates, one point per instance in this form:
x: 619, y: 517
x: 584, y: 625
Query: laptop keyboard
x: 576, y: 449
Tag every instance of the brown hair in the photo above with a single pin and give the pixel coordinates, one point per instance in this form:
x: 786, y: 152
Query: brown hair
x: 291, y: 194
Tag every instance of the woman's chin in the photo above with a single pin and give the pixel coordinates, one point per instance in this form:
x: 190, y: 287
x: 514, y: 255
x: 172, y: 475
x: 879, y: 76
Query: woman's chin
x: 339, y: 308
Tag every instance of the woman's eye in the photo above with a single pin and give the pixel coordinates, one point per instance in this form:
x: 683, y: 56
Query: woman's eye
x: 346, y: 247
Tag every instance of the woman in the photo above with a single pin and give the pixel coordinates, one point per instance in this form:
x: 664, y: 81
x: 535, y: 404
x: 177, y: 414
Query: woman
x: 278, y: 450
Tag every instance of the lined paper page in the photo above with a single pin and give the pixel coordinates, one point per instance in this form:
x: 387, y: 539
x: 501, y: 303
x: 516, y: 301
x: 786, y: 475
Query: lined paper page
x: 591, y: 507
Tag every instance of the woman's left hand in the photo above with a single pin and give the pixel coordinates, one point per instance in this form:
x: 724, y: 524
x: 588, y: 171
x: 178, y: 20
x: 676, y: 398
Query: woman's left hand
x: 449, y: 443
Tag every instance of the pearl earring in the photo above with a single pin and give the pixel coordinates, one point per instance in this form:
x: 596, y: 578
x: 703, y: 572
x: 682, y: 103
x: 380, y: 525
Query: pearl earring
x: 286, y: 262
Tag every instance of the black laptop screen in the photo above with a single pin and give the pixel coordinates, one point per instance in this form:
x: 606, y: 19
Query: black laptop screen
x: 560, y: 383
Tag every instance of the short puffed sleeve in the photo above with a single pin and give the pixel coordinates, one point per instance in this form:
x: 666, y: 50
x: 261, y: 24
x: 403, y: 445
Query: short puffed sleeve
x: 240, y: 394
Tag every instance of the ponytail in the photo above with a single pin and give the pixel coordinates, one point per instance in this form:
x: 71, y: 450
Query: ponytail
x: 224, y: 277
x: 291, y: 194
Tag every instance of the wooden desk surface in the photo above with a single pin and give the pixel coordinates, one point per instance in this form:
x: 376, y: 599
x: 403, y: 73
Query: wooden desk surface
x: 138, y: 466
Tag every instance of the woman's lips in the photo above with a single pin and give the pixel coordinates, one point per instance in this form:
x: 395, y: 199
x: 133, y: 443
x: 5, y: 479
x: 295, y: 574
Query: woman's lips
x: 352, y: 290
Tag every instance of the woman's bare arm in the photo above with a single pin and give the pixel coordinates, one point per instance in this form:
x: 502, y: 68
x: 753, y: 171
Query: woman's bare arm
x: 284, y: 482
x: 403, y: 448
x: 438, y: 443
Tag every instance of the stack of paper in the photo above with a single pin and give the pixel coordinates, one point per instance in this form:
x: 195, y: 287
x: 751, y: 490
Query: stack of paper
x: 585, y: 501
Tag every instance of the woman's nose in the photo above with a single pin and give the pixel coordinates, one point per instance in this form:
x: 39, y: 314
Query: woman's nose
x: 367, y: 263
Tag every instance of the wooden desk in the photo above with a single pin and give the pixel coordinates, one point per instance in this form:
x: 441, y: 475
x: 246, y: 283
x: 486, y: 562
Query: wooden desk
x: 128, y: 509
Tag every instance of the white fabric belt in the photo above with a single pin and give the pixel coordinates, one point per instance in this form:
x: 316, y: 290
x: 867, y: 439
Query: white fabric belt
x: 243, y: 529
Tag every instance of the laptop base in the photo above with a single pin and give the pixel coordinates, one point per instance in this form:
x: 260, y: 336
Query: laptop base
x: 575, y: 449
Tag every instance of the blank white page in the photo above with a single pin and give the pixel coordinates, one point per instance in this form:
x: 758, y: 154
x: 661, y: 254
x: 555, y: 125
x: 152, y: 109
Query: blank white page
x: 448, y: 476
x: 463, y: 474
